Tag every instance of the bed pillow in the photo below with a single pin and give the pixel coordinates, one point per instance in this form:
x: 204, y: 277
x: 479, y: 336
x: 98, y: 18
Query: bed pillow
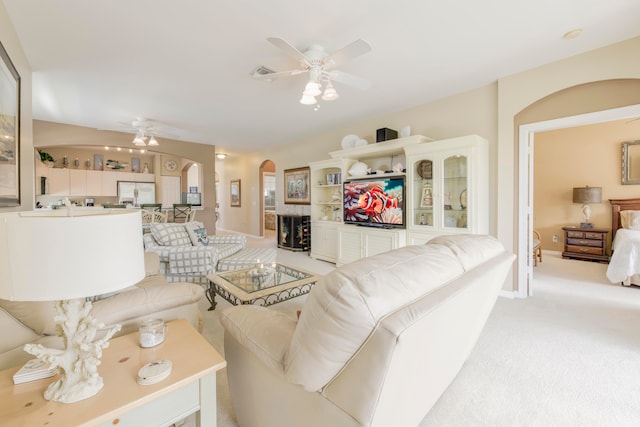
x: 630, y: 220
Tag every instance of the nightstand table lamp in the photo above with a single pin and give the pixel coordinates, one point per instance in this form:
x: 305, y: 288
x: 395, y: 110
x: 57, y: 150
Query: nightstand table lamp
x: 586, y: 196
x: 66, y: 256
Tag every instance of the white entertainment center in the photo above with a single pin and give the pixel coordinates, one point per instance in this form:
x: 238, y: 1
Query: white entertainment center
x: 446, y: 192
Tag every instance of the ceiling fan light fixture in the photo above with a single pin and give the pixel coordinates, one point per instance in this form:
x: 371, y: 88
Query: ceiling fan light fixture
x: 330, y: 93
x: 312, y: 89
x: 139, y: 139
x: 307, y: 99
x: 153, y: 141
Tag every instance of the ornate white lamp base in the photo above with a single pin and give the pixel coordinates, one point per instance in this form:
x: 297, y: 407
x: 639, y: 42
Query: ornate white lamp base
x: 586, y: 211
x: 78, y: 362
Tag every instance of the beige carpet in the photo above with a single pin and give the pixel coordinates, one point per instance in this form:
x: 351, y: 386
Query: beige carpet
x: 567, y: 356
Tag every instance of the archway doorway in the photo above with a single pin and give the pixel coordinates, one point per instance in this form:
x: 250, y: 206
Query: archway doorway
x: 267, y: 215
x: 557, y: 111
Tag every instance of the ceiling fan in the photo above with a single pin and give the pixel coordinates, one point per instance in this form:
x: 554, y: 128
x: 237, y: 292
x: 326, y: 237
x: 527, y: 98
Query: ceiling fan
x: 144, y: 128
x: 320, y: 65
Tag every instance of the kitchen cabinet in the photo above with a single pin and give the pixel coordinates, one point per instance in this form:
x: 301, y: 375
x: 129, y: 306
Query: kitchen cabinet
x: 59, y: 182
x: 82, y: 182
x: 94, y: 183
x: 77, y: 182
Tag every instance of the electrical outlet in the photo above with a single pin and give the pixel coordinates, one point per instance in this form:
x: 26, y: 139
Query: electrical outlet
x: 555, y: 238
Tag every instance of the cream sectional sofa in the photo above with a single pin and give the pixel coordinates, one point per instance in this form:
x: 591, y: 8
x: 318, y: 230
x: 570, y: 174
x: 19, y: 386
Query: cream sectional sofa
x: 153, y: 297
x: 377, y: 341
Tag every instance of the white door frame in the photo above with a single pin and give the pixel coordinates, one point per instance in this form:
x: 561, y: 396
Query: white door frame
x: 526, y: 135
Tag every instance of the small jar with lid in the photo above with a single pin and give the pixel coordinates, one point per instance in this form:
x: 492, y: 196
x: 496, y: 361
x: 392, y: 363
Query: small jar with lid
x: 152, y: 332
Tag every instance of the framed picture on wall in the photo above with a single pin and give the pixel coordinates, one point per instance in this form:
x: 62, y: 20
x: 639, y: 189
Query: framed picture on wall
x: 296, y: 186
x: 234, y: 192
x: 98, y: 162
x: 135, y: 165
x: 10, y: 129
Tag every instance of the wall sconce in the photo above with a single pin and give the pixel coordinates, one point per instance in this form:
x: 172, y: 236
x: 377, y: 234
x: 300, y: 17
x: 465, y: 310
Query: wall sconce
x: 586, y: 196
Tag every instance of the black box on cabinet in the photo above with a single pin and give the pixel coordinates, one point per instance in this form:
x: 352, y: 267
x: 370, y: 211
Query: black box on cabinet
x: 385, y: 134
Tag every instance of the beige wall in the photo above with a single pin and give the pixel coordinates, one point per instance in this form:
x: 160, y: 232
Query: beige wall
x: 576, y: 157
x: 11, y: 44
x: 467, y: 113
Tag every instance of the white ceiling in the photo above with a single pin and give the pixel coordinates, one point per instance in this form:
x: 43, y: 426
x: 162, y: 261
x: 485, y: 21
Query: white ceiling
x: 186, y: 64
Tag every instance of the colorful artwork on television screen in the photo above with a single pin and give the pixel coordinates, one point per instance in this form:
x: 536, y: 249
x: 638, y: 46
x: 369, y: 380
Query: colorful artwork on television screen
x: 375, y: 201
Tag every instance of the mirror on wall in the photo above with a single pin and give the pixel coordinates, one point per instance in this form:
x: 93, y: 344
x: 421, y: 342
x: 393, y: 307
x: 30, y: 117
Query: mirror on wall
x: 631, y: 163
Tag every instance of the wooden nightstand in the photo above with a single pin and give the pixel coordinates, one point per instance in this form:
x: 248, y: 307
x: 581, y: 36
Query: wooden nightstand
x: 585, y: 243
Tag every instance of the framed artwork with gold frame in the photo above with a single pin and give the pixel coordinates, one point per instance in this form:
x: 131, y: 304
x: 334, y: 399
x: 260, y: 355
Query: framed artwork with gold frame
x: 234, y: 193
x: 296, y: 186
x: 10, y: 131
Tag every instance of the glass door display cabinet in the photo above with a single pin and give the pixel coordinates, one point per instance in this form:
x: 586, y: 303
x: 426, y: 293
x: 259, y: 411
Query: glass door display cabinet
x: 448, y: 188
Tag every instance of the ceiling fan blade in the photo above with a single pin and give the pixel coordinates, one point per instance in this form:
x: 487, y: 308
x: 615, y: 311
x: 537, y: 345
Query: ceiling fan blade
x: 347, y: 53
x: 349, y: 79
x: 276, y: 74
x: 289, y: 49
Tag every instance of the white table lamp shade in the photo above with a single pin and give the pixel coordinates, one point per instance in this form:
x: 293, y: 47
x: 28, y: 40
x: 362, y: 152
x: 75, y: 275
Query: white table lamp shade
x: 60, y: 255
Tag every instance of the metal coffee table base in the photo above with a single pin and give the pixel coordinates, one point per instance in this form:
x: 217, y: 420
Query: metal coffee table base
x: 265, y: 300
x: 262, y: 285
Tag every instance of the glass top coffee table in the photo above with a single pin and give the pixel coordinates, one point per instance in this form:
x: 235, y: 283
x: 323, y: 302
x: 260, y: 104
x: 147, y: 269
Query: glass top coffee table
x: 263, y: 286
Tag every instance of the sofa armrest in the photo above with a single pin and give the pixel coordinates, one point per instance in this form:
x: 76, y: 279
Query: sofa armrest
x: 265, y: 333
x: 151, y: 264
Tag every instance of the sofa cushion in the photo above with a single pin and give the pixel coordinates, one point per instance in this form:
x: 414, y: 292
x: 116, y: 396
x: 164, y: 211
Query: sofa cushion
x: 197, y: 233
x: 37, y: 315
x: 167, y: 234
x: 145, y: 301
x: 344, y: 306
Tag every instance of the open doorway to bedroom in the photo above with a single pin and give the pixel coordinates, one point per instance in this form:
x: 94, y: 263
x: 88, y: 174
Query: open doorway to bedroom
x: 567, y: 149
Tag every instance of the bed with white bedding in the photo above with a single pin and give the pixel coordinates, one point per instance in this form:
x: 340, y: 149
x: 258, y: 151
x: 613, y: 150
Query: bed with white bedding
x: 624, y: 266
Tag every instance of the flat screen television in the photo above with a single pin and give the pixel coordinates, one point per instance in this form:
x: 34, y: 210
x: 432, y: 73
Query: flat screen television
x: 375, y: 201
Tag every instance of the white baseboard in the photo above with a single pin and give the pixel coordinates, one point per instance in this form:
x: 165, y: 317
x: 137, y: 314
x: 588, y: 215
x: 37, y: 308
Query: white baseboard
x: 507, y: 294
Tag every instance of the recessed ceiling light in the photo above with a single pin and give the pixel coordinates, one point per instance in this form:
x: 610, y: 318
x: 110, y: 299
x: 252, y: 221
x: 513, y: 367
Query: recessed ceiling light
x: 221, y: 156
x: 570, y: 35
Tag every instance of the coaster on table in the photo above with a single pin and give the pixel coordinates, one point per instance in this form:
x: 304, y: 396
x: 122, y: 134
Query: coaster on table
x: 154, y: 372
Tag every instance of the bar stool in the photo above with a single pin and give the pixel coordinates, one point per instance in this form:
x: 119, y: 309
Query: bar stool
x: 181, y: 212
x: 152, y: 206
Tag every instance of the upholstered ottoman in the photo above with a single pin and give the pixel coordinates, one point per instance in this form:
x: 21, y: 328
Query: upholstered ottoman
x: 247, y: 257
